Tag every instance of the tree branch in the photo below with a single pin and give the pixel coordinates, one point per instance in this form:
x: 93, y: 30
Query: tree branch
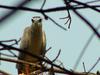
x: 86, y: 5
x: 45, y: 10
x: 87, y: 22
x: 38, y: 57
x: 13, y: 11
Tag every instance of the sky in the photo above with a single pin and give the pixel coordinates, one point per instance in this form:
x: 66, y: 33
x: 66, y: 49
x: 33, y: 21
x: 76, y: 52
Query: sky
x: 71, y: 42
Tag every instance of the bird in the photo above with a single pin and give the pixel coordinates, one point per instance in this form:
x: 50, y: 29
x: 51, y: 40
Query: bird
x: 32, y: 41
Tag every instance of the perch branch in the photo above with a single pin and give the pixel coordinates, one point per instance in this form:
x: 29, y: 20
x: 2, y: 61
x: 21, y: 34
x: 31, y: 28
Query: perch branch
x: 45, y: 69
x: 38, y: 57
x: 19, y: 61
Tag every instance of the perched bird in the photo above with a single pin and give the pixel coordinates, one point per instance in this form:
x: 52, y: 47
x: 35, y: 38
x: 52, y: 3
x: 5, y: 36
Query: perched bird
x: 33, y: 41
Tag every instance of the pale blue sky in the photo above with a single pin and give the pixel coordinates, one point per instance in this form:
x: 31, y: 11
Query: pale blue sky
x: 71, y: 42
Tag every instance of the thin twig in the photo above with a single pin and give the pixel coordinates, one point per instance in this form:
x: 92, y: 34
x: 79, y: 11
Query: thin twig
x: 9, y: 40
x: 38, y: 57
x: 43, y: 4
x: 48, y: 49
x: 87, y: 23
x: 84, y: 48
x: 12, y: 53
x: 69, y: 16
x: 86, y: 5
x: 94, y: 65
x: 48, y: 17
x: 69, y: 20
x: 15, y: 43
x: 57, y: 56
x: 8, y: 55
x: 13, y: 11
x: 81, y: 7
x: 57, y: 23
x: 19, y: 61
x: 84, y: 67
x: 90, y: 25
x: 43, y: 13
x: 44, y: 69
x: 92, y: 1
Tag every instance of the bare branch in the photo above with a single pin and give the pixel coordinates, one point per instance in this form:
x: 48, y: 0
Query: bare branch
x: 42, y: 11
x: 84, y: 48
x: 56, y: 23
x: 19, y: 61
x: 38, y: 57
x: 15, y: 43
x: 57, y: 56
x: 92, y: 1
x: 43, y: 4
x: 87, y: 22
x: 94, y: 65
x: 48, y: 49
x: 86, y: 5
x: 69, y: 16
x: 46, y: 10
x: 84, y: 67
x: 13, y: 11
x: 44, y: 69
x: 8, y: 55
x: 9, y: 40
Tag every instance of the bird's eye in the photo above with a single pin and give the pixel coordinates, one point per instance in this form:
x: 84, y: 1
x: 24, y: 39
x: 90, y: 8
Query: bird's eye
x: 40, y: 20
x: 32, y: 20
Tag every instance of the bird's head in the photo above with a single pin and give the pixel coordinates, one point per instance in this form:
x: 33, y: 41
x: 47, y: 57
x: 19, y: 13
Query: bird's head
x: 36, y: 23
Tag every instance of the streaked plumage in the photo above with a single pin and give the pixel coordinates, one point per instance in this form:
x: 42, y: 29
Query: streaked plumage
x: 33, y: 41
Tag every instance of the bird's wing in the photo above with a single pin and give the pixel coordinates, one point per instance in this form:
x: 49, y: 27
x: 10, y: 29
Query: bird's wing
x: 23, y: 46
x: 24, y: 42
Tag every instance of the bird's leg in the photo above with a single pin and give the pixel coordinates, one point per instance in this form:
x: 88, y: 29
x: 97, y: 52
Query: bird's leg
x: 27, y: 69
